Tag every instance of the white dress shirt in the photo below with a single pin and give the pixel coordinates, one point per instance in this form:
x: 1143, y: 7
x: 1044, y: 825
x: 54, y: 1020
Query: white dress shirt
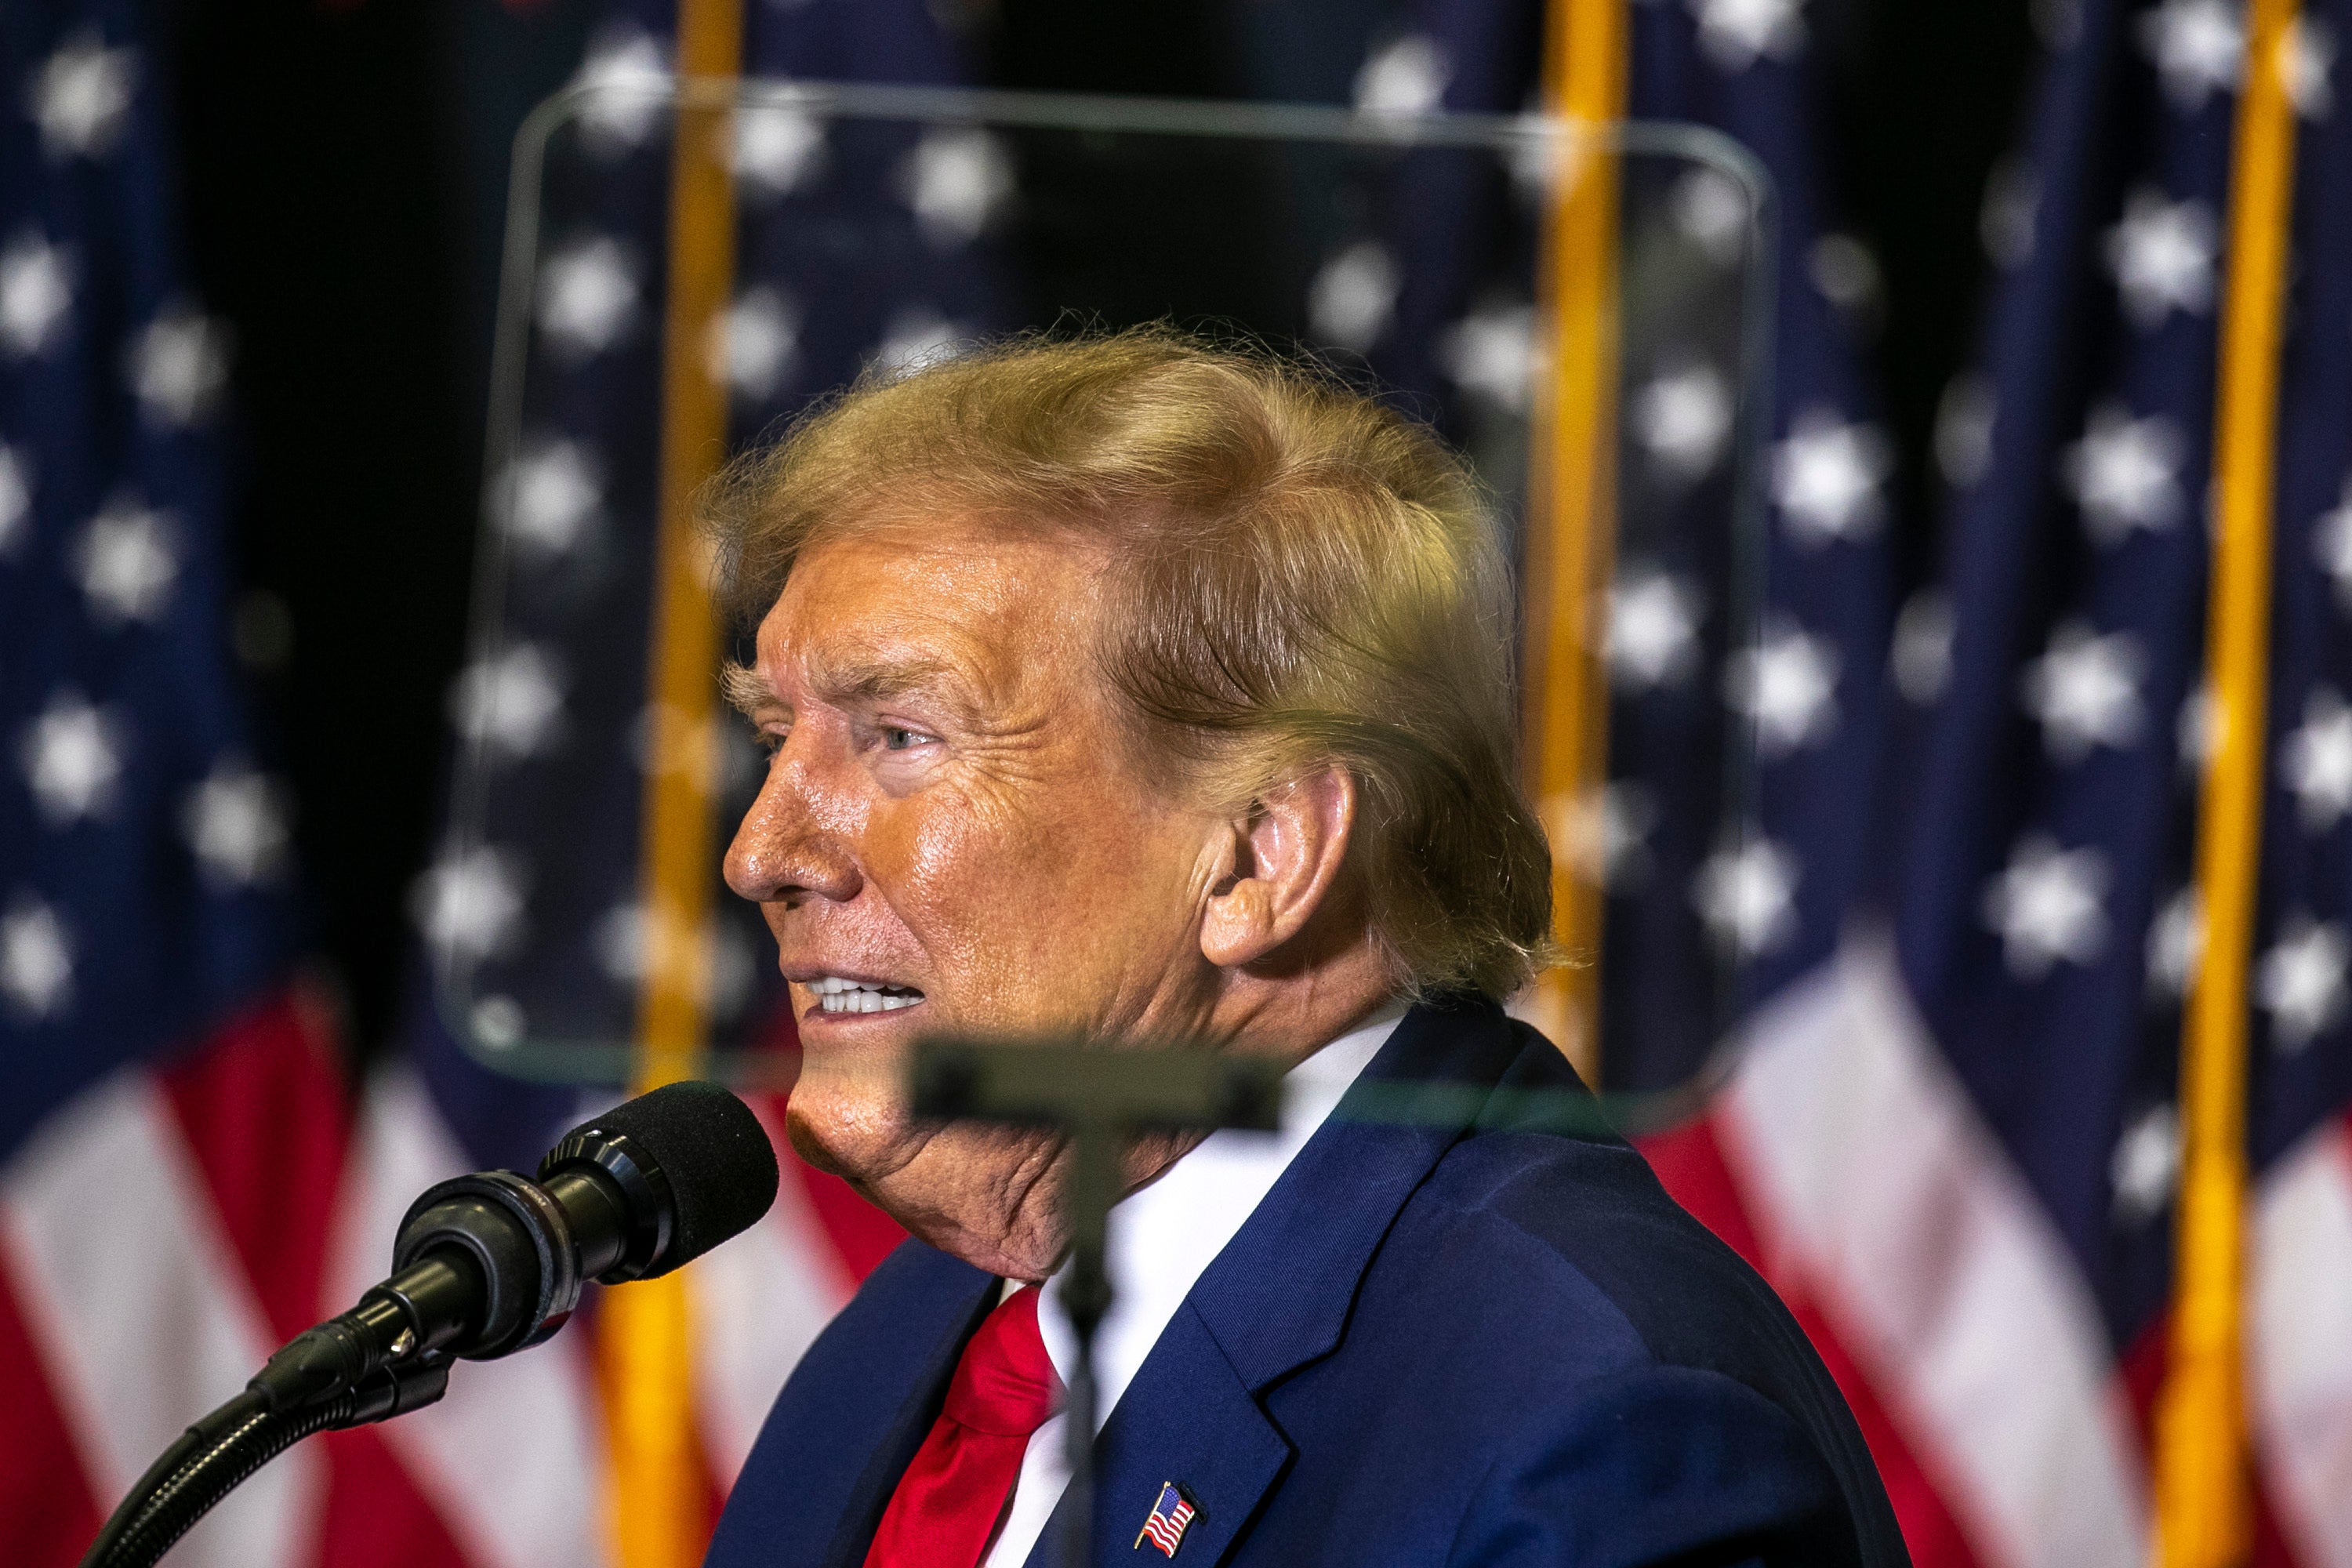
x: 1162, y: 1238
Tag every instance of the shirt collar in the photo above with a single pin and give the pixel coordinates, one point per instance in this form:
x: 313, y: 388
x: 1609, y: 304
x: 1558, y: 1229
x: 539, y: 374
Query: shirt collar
x: 1164, y: 1236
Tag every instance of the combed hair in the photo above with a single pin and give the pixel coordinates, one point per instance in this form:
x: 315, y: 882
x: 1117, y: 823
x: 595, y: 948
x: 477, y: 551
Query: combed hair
x: 1301, y: 577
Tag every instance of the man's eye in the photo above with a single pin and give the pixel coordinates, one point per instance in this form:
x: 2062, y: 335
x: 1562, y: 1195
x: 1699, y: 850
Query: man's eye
x: 895, y: 738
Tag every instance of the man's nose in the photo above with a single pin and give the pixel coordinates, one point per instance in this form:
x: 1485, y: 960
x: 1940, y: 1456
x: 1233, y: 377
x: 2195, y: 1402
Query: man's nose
x: 791, y: 841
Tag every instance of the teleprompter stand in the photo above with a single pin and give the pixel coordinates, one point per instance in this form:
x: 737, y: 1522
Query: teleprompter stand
x: 1099, y: 1097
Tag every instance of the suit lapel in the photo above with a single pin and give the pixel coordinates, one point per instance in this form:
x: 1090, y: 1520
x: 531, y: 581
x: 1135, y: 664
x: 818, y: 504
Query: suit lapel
x: 950, y: 1324
x: 1279, y: 1294
x: 1186, y: 1418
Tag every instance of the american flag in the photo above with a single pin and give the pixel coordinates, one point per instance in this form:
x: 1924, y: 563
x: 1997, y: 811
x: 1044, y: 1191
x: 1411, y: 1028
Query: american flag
x: 1952, y: 1138
x: 186, y: 1177
x: 1170, y: 1515
x: 1965, y: 916
x: 171, y: 1121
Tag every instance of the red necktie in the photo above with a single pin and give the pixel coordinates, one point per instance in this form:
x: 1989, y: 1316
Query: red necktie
x: 947, y: 1503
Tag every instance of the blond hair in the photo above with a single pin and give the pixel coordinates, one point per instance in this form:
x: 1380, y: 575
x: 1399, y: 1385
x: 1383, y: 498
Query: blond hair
x: 1304, y: 578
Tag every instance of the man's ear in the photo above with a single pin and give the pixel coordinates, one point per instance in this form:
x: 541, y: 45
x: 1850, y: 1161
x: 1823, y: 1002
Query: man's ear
x: 1286, y: 855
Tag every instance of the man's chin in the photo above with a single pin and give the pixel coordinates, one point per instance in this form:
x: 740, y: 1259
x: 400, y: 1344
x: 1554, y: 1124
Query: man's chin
x: 824, y: 1142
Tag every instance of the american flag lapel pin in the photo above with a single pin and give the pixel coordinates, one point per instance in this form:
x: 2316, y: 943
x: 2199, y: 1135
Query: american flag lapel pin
x: 1170, y: 1515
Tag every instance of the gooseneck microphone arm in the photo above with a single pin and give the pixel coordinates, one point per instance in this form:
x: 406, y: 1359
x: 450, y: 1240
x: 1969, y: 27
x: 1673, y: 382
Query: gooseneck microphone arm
x: 485, y: 1265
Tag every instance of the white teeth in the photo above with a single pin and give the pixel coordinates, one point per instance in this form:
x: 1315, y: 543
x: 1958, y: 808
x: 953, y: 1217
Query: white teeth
x: 836, y: 994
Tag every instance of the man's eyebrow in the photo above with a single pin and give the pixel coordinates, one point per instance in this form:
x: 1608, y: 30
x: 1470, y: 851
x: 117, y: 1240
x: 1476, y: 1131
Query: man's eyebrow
x: 745, y: 691
x: 877, y: 677
x: 850, y: 679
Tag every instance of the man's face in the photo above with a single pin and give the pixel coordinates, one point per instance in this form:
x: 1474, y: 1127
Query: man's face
x: 953, y: 837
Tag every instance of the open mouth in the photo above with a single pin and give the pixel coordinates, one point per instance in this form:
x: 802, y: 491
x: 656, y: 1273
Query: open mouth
x: 835, y: 995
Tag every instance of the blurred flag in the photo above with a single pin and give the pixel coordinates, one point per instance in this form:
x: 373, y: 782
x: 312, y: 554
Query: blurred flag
x: 174, y: 1121
x: 523, y: 1460
x: 1967, y: 914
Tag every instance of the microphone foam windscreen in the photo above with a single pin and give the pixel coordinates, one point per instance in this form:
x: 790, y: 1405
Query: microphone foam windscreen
x: 720, y: 1166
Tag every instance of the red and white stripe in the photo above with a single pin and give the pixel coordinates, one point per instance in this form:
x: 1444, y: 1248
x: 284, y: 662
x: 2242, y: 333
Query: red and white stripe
x: 1847, y: 1163
x: 139, y: 1314
x: 1167, y: 1530
x: 2300, y: 1344
x: 1850, y: 1166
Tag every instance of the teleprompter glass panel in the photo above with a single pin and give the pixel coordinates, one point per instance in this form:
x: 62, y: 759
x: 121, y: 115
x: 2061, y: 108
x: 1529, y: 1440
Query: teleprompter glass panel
x: 1580, y: 311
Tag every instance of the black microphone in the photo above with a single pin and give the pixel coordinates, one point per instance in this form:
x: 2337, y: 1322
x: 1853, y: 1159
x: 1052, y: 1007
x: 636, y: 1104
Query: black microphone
x: 489, y: 1264
x: 484, y: 1266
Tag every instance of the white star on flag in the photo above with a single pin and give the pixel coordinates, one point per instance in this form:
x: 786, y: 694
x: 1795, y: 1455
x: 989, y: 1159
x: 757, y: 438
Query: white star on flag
x: 1682, y: 419
x: 36, y: 960
x: 236, y: 823
x: 1746, y: 895
x: 16, y: 497
x: 1921, y: 654
x: 2147, y: 1160
x: 587, y: 296
x: 956, y: 180
x: 1826, y: 476
x: 79, y: 96
x: 72, y: 757
x: 625, y: 84
x: 1407, y: 76
x: 497, y: 1021
x: 178, y: 367
x: 2307, y: 56
x: 1788, y: 684
x: 1546, y: 156
x: 2085, y: 690
x: 2199, y: 47
x: 1601, y: 831
x: 1713, y: 211
x: 2198, y: 728
x: 510, y: 701
x: 2331, y: 546
x: 2162, y: 254
x: 1847, y: 275
x: 2175, y: 945
x: 1964, y: 423
x: 778, y: 148
x: 917, y: 336
x: 2300, y: 982
x: 716, y: 962
x: 2047, y: 906
x: 1651, y: 635
x: 2007, y: 221
x: 35, y: 294
x: 556, y: 491
x: 128, y: 560
x: 2316, y: 760
x: 754, y: 342
x: 1491, y: 354
x: 469, y: 904
x: 1736, y: 34
x: 2124, y: 474
x: 1353, y: 296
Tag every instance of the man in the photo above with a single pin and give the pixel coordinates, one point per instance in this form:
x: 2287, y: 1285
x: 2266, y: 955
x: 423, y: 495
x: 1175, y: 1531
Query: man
x: 1142, y: 690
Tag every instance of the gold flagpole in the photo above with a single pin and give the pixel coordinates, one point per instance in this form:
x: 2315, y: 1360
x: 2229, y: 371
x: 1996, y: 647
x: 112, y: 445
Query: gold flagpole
x: 1573, y: 518
x: 658, y: 1485
x: 2204, y: 1518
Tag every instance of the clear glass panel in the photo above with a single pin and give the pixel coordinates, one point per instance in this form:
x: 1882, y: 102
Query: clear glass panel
x: 1435, y: 260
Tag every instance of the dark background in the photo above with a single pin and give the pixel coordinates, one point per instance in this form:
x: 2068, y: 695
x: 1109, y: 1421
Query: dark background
x: 345, y: 191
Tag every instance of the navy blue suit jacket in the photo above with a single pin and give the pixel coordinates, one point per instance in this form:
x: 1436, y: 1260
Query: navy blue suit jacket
x: 1472, y: 1338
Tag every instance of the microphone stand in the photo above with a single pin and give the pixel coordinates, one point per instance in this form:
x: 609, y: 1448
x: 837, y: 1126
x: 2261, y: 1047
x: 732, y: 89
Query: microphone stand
x: 222, y: 1450
x: 1099, y: 1097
